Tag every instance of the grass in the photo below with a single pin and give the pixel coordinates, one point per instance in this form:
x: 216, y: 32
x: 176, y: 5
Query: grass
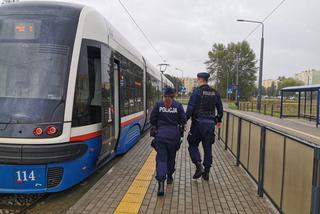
x: 272, y: 107
x: 232, y: 106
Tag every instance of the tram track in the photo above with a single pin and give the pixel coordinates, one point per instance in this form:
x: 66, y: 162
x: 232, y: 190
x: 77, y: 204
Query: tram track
x: 19, y: 203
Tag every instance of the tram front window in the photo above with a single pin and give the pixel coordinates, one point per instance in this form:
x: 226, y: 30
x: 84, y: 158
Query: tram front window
x: 35, y: 53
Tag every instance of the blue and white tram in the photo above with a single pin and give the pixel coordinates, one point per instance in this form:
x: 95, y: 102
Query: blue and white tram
x: 73, y: 94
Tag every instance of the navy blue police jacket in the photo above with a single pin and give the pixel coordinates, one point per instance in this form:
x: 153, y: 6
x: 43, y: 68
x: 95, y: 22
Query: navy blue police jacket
x: 195, y: 101
x: 167, y: 120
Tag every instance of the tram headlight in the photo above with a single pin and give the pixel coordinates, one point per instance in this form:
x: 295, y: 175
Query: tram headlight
x: 38, y: 131
x: 51, y: 130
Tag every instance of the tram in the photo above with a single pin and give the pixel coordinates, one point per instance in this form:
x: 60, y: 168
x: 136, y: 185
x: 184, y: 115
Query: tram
x: 73, y: 95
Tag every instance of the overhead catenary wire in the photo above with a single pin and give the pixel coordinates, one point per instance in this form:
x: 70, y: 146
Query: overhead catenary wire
x: 140, y: 29
x: 268, y: 16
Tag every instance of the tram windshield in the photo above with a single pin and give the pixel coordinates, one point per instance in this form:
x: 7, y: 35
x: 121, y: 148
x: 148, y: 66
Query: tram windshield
x: 35, y: 55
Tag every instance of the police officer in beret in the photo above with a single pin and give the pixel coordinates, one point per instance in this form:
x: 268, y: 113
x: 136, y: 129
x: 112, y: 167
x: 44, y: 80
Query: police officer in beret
x: 167, y: 116
x: 202, y: 107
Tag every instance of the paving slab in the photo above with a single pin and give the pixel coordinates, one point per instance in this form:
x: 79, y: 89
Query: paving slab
x: 229, y: 190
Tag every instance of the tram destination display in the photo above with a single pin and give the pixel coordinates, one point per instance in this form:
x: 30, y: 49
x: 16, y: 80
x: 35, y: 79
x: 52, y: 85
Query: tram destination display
x: 19, y: 29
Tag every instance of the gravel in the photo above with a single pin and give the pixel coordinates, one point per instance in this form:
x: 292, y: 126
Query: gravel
x: 13, y: 203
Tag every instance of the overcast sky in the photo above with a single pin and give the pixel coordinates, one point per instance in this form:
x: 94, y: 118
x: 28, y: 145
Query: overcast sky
x: 184, y: 30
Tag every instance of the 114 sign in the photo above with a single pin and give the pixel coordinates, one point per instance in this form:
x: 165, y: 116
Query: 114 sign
x: 24, y: 176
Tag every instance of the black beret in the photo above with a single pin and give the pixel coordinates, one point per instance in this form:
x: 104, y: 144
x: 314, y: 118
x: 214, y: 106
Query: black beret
x: 169, y: 91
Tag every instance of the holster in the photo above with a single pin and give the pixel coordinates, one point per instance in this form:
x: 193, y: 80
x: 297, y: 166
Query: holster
x: 153, y: 131
x: 153, y: 144
x: 181, y: 129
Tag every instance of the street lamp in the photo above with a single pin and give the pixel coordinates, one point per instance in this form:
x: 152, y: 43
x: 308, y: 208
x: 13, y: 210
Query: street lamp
x: 261, y: 61
x: 163, y: 68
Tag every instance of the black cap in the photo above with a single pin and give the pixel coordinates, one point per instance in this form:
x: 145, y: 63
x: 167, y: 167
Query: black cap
x: 203, y: 75
x: 168, y: 91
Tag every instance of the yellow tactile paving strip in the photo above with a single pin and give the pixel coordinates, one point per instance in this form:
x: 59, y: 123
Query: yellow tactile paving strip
x: 132, y: 200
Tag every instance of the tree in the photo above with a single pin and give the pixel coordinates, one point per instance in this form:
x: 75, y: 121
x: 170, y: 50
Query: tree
x: 272, y: 90
x: 264, y: 90
x: 222, y: 67
x: 287, y: 82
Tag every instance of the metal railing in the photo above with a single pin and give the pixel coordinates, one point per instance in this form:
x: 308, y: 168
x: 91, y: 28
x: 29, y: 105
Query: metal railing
x: 284, y: 167
x: 273, y: 109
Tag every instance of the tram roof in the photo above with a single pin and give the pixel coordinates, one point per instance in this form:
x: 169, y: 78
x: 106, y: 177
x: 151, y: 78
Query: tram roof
x: 41, y: 7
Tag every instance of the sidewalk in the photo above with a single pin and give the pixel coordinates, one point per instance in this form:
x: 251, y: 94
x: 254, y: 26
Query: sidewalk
x: 229, y: 189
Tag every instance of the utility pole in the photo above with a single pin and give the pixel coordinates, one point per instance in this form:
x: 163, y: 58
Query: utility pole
x: 261, y: 70
x: 227, y: 87
x: 237, y: 81
x: 261, y: 61
x: 178, y: 69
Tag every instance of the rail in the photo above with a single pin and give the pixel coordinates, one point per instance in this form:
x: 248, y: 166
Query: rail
x: 19, y: 204
x: 284, y: 167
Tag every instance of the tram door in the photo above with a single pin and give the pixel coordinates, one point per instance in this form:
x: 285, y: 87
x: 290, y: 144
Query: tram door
x: 110, y: 114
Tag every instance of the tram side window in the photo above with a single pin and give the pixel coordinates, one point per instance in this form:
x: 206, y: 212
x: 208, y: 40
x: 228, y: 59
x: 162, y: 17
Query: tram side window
x: 131, y: 87
x: 152, y: 91
x: 158, y: 83
x: 124, y: 95
x: 149, y: 91
x: 87, y: 100
x: 138, y: 88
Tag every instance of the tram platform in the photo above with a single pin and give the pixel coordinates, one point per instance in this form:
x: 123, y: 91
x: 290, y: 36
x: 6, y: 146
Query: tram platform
x: 130, y: 187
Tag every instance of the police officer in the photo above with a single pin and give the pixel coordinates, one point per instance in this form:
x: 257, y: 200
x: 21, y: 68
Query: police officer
x: 201, y: 108
x: 167, y: 116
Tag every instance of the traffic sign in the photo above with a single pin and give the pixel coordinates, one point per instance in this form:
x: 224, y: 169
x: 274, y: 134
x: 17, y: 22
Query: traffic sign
x: 183, y: 89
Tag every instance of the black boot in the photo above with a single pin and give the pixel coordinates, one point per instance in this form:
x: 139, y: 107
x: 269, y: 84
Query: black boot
x: 199, y: 171
x: 169, y: 179
x: 161, y: 188
x: 205, y: 176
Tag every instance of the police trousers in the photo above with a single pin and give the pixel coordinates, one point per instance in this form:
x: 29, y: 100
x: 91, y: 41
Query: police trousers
x: 166, y: 157
x: 201, y: 132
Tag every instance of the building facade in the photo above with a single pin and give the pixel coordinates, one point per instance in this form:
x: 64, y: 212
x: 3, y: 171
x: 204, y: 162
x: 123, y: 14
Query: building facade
x: 189, y: 83
x: 309, y: 77
x: 268, y: 83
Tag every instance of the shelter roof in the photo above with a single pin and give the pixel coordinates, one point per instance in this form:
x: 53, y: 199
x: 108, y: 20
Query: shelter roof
x: 315, y: 87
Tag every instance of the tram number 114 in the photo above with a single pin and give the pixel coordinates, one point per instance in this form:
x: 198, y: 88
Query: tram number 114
x: 24, y: 176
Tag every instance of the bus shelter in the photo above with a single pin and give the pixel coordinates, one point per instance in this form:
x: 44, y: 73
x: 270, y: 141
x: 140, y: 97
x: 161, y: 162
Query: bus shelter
x: 305, y: 98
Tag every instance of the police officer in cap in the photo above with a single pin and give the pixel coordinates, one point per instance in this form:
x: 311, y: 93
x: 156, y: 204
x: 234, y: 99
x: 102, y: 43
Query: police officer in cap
x: 167, y: 116
x: 202, y: 109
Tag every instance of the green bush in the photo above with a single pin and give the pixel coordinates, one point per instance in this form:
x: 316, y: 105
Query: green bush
x: 232, y: 106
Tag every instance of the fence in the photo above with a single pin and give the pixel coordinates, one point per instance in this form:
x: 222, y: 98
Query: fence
x: 290, y: 109
x: 285, y: 168
x: 266, y: 109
